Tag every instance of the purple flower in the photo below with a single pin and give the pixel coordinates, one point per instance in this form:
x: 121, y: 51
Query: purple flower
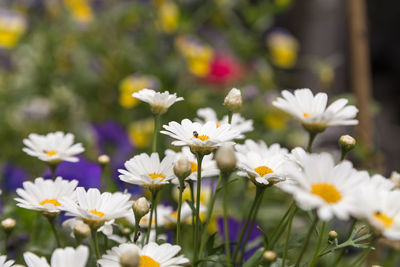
x: 14, y: 176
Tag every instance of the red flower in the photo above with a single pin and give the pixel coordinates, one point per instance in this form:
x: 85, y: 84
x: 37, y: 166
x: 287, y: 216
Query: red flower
x: 224, y: 70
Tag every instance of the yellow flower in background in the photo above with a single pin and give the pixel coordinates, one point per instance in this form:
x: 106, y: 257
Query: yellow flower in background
x: 140, y: 132
x: 80, y: 10
x: 283, y: 49
x: 134, y: 83
x: 198, y: 55
x: 12, y: 27
x: 276, y: 120
x: 168, y: 16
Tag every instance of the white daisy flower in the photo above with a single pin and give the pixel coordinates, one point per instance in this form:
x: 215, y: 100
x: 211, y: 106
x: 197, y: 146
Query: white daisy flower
x: 61, y: 257
x: 151, y: 254
x: 330, y: 189
x: 96, y: 208
x: 208, y: 165
x: 45, y: 195
x: 261, y: 164
x: 148, y: 171
x: 201, y: 138
x: 159, y: 102
x: 238, y: 123
x: 312, y: 111
x: 53, y: 147
x: 5, y: 263
x: 382, y: 210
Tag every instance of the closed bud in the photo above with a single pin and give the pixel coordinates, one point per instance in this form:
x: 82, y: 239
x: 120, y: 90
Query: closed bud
x: 126, y: 231
x: 8, y: 224
x: 182, y: 168
x: 130, y: 257
x: 347, y: 143
x: 269, y: 255
x: 233, y: 101
x: 81, y: 231
x: 332, y: 235
x: 140, y: 207
x: 376, y: 265
x: 226, y: 158
x: 395, y: 179
x: 103, y: 160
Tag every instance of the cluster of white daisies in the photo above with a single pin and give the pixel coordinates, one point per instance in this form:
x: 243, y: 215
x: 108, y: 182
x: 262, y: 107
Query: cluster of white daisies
x: 315, y: 181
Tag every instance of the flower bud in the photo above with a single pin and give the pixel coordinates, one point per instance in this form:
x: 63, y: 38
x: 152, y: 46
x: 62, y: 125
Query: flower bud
x: 269, y: 255
x: 347, y: 143
x: 182, y: 168
x: 140, y: 207
x: 376, y: 265
x: 226, y: 158
x: 103, y: 160
x: 81, y: 231
x: 130, y: 257
x: 8, y: 224
x: 233, y: 101
x: 126, y: 231
x: 395, y: 179
x: 332, y: 235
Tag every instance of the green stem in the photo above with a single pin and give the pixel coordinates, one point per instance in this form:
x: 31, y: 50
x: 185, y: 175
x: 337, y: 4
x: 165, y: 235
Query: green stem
x: 93, y: 231
x: 136, y: 230
x: 281, y: 226
x: 198, y: 222
x: 305, y: 244
x: 210, y: 209
x: 288, y: 235
x: 53, y: 168
x: 230, y: 117
x: 151, y: 218
x: 194, y: 212
x: 178, y: 219
x: 6, y: 243
x: 157, y: 119
x: 339, y: 257
x: 310, y: 141
x: 226, y: 229
x: 53, y: 229
x: 320, y: 237
x: 244, y: 229
x: 343, y: 155
x: 155, y: 219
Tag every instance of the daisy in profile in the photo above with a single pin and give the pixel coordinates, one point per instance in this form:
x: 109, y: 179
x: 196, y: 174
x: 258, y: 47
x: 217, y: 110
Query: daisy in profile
x: 148, y: 171
x: 5, y: 263
x: 381, y: 209
x: 61, y: 257
x: 95, y: 208
x: 238, y: 123
x: 330, y: 189
x: 263, y: 165
x: 208, y: 166
x: 159, y: 102
x: 201, y: 138
x: 312, y: 111
x: 152, y: 254
x: 53, y: 147
x: 45, y: 195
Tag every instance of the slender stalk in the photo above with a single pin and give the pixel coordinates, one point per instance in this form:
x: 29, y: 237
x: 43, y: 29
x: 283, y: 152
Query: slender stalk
x: 178, y: 219
x: 53, y: 229
x: 155, y: 219
x: 281, y: 226
x: 316, y: 253
x: 343, y: 155
x: 151, y: 216
x: 289, y: 231
x: 230, y: 117
x: 157, y: 119
x: 253, y: 206
x: 93, y: 231
x: 310, y: 141
x: 53, y: 168
x: 339, y: 257
x: 210, y: 209
x: 198, y: 222
x: 136, y: 230
x: 305, y: 245
x: 226, y: 229
x: 6, y: 243
x: 194, y: 212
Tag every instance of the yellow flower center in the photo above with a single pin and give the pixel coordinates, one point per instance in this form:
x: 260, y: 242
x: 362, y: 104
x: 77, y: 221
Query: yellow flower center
x: 194, y: 166
x: 146, y: 261
x: 306, y: 115
x: 156, y: 175
x: 263, y: 170
x: 97, y: 213
x: 327, y: 192
x: 202, y: 137
x: 50, y: 152
x: 218, y: 124
x: 383, y: 218
x: 174, y: 214
x: 50, y: 201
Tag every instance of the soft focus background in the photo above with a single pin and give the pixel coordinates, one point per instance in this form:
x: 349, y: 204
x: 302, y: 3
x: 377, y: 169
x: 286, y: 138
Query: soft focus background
x: 72, y: 65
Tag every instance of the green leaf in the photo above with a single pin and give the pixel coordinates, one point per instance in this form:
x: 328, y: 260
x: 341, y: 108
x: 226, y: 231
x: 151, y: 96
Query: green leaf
x: 253, y: 261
